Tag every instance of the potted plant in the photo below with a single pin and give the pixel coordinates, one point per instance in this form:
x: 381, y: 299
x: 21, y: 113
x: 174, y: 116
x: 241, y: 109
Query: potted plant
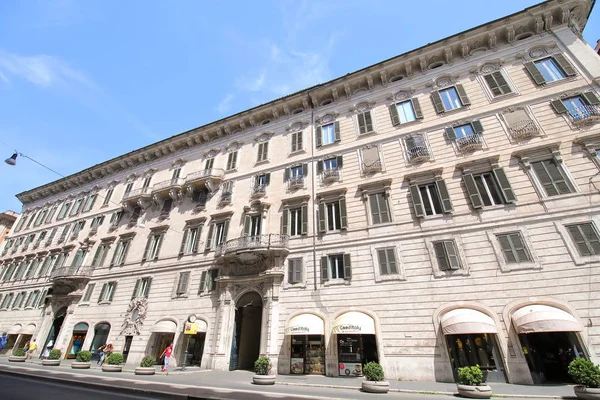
x: 82, y: 360
x: 374, y: 379
x: 471, y: 383
x: 146, y: 366
x: 587, y: 377
x: 262, y: 372
x: 53, y: 359
x: 113, y: 363
x: 17, y: 356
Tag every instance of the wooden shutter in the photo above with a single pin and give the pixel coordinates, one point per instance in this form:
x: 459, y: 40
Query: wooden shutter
x: 340, y: 161
x: 416, y: 200
x: 202, y: 286
x: 126, y: 245
x: 368, y: 121
x: 247, y: 225
x: 565, y: 65
x: 579, y: 239
x: 452, y: 254
x: 362, y: 125
x: 298, y: 270
x: 591, y: 98
x: 535, y: 73
x: 375, y: 211
x: 450, y: 134
x: 286, y: 174
x: 304, y: 212
x: 324, y: 269
x: 462, y: 94
x: 159, y: 245
x: 507, y: 249
x: 102, y: 291
x: 438, y: 105
x: 182, y: 285
x: 343, y: 214
x: 97, y: 256
x: 338, y: 135
x: 284, y: 221
x: 183, y: 242
x: 135, y: 289
x: 477, y: 126
x: 347, y: 267
x: 322, y: 218
x: 472, y: 191
x: 493, y: 84
x: 212, y: 279
x: 417, y: 108
x: 507, y: 190
x: 147, y: 249
x: 304, y: 169
x: 116, y: 252
x: 440, y: 255
x: 394, y: 114
x: 291, y: 272
x: 197, y: 241
x: 444, y: 196
x: 319, y: 166
x: 319, y: 136
x: 267, y: 178
x: 545, y: 178
x: 148, y: 285
x: 299, y: 139
x: 559, y: 106
x: 225, y: 230
x: 209, y: 238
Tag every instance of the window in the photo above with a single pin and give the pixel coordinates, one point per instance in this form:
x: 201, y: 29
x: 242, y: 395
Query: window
x: 297, y: 144
x: 42, y: 302
x: 120, y: 252
x: 295, y: 221
x: 191, y: 240
x: 50, y: 215
x: 365, y: 122
x: 89, y: 202
x: 32, y: 299
x: 19, y: 300
x: 552, y: 176
x: 328, y: 134
x: 550, y: 69
x: 100, y: 255
x: 226, y: 192
x: 586, y: 238
x: 107, y: 292
x: 380, y: 211
x: 146, y: 183
x: 252, y: 225
x: 63, y: 210
x: 97, y: 222
x: 446, y: 255
x: 579, y: 108
x: 431, y: 198
x: 107, y: 197
x: 166, y: 207
x: 31, y: 219
x: 88, y: 293
x: 513, y: 248
x: 32, y: 265
x: 263, y: 152
x: 332, y: 215
x: 329, y: 168
x: 208, y: 280
x: 405, y: 111
x: 64, y: 233
x: 208, y: 164
x: 294, y: 271
x: 78, y: 227
x: 489, y: 188
x: 182, y: 284
x: 142, y: 288
x: 40, y: 218
x: 200, y: 196
x: 135, y: 215
x: 79, y: 258
x: 20, y: 223
x: 262, y: 180
x: 7, y: 301
x: 176, y: 174
x: 336, y: 266
x: 497, y: 83
x: 128, y: 188
x: 232, y: 160
x: 449, y: 99
x: 153, y: 246
x: 76, y: 207
x: 46, y: 265
x: 217, y: 234
x: 467, y: 136
x: 387, y: 261
x: 294, y: 175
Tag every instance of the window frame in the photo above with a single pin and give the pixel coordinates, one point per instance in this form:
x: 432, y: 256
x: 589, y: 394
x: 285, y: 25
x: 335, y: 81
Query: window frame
x: 297, y: 142
x: 323, y: 215
x: 142, y: 287
x: 464, y: 269
x: 89, y: 291
x: 533, y: 264
x: 153, y: 245
x: 399, y: 275
x: 231, y: 164
x: 123, y: 246
x: 293, y: 268
x: 262, y: 152
x: 217, y: 227
x: 560, y: 62
x: 337, y: 136
x: 178, y: 290
x: 568, y: 179
x: 208, y: 282
x: 502, y: 186
x: 489, y: 91
x: 107, y: 297
x: 561, y: 227
x: 461, y: 96
x: 346, y: 268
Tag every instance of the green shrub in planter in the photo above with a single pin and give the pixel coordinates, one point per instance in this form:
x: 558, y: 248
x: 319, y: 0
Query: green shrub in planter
x: 115, y: 359
x: 585, y: 373
x: 472, y: 376
x: 262, y: 366
x: 84, y: 356
x: 19, y: 352
x: 54, y: 354
x: 373, y: 372
x: 148, y: 361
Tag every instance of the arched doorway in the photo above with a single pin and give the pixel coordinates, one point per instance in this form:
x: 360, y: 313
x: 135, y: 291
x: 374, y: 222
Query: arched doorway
x: 79, y: 333
x: 101, y: 332
x: 59, y: 318
x: 245, y: 343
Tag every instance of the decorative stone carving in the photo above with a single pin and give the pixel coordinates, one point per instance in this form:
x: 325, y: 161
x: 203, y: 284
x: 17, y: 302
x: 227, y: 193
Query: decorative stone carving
x: 370, y: 81
x: 135, y: 316
x: 383, y: 76
x: 539, y: 24
x: 347, y: 90
x: 327, y: 118
x: 510, y: 34
x: 492, y: 40
x: 233, y: 146
x: 538, y: 52
x: 297, y: 126
x: 408, y: 68
x: 548, y: 18
x: 263, y: 137
x: 423, y: 64
x: 212, y: 153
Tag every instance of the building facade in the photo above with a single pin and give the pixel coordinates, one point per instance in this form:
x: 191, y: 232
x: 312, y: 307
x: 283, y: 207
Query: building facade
x: 7, y: 220
x: 438, y: 209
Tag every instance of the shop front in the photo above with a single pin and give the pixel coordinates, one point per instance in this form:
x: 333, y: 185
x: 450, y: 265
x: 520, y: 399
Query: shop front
x: 101, y: 332
x: 471, y: 339
x: 195, y: 336
x: 549, y: 340
x: 307, y: 345
x: 357, y: 344
x: 163, y: 334
x: 77, y: 338
x: 26, y: 333
x: 11, y: 338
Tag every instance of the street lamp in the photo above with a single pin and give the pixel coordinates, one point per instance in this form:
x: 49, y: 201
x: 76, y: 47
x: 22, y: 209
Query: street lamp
x: 12, y: 160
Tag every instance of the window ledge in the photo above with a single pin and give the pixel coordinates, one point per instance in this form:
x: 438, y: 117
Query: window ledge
x: 293, y: 153
x: 558, y: 82
x: 261, y: 162
x: 455, y: 110
x: 300, y: 285
x: 103, y: 302
x: 371, y: 133
x: 547, y: 198
x: 390, y: 278
x: 381, y: 225
x: 104, y: 205
x: 28, y: 308
x: 337, y: 282
x: 87, y: 304
x: 229, y: 171
x: 329, y: 144
x: 437, y: 273
x: 409, y: 123
x: 180, y: 296
x: 524, y: 266
x: 501, y: 97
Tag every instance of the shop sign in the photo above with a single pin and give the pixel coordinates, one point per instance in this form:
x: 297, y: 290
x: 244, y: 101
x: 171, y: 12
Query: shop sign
x: 191, y: 328
x: 298, y: 330
x: 347, y: 328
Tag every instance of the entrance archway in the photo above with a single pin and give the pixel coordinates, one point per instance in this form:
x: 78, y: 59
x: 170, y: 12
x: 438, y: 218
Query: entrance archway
x: 245, y: 343
x: 101, y: 332
x: 59, y: 318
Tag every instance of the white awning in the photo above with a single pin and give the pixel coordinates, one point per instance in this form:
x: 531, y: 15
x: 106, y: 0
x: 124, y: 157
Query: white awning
x: 542, y: 318
x: 467, y: 320
x: 164, y: 327
x: 14, y: 330
x: 28, y: 329
x: 354, y: 322
x: 305, y: 324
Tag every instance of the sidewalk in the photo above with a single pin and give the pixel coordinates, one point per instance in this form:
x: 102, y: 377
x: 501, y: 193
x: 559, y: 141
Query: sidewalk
x: 240, y: 380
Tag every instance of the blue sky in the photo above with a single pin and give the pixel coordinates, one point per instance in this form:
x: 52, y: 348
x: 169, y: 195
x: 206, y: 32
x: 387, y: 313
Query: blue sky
x: 85, y: 81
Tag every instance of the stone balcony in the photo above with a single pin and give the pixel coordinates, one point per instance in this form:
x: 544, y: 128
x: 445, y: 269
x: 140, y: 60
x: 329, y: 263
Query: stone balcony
x: 418, y: 153
x: 69, y: 279
x: 470, y: 143
x: 330, y: 175
x: 133, y: 196
x: 372, y: 167
x: 209, y: 178
x: 295, y: 182
x: 259, y: 191
x: 165, y: 187
x: 523, y: 129
x: 260, y: 244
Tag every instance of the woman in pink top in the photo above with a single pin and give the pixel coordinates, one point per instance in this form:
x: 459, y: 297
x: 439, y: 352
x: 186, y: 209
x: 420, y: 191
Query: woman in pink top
x: 168, y: 352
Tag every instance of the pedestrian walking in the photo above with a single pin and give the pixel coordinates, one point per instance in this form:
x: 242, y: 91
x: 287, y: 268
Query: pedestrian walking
x: 46, y: 352
x: 32, y: 348
x: 167, y: 352
x: 100, y: 354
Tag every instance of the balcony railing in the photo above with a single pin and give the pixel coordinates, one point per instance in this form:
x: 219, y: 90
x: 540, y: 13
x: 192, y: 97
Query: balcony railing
x: 249, y: 243
x: 206, y: 174
x: 523, y: 129
x: 71, y: 272
x: 225, y: 198
x: 177, y: 182
x: 585, y: 115
x: 373, y: 166
x: 418, y: 153
x: 470, y: 143
x: 135, y: 193
x: 259, y: 191
x: 295, y: 182
x: 330, y: 175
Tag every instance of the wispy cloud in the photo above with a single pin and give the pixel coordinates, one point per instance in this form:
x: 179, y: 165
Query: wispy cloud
x: 225, y: 104
x: 253, y: 85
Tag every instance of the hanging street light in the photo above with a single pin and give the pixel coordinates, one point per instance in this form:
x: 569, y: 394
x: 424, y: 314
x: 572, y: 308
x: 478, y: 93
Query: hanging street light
x: 12, y: 160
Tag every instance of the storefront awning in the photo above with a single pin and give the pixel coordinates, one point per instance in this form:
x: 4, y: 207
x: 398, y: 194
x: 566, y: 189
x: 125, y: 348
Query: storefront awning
x: 354, y: 322
x: 305, y: 324
x: 164, y: 327
x: 14, y: 330
x: 541, y: 318
x: 28, y: 329
x: 467, y: 320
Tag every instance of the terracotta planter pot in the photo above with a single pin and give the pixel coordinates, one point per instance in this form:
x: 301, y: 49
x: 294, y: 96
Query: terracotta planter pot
x: 264, y: 379
x: 586, y: 393
x: 51, y: 363
x: 475, y: 392
x: 80, y: 365
x: 145, y: 371
x: 375, y: 386
x: 112, y: 368
x: 16, y: 358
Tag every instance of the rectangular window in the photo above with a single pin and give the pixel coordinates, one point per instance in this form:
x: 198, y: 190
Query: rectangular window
x: 33, y: 217
x: 448, y: 99
x: 18, y: 300
x: 232, y: 160
x: 146, y: 184
x: 497, y: 83
x: 217, y: 234
x: 107, y: 197
x: 7, y: 300
x: 297, y: 144
x: 107, y: 292
x: 208, y: 280
x: 262, y: 179
x: 88, y: 293
x: 182, y: 284
x: 76, y: 207
x: 406, y: 112
x: 166, y: 207
x: 200, y: 196
x: 580, y: 108
x: 332, y: 216
x: 97, y: 222
x: 550, y: 69
x: 387, y: 261
x: 553, y: 178
x: 176, y: 174
x: 128, y: 188
x: 295, y: 221
x: 42, y: 301
x: 100, y: 255
x: 50, y: 215
x: 431, y: 198
x: 32, y: 299
x: 330, y: 164
x: 115, y: 218
x: 135, y: 215
x: 252, y: 225
x: 328, y: 134
x: 208, y: 164
x: 40, y: 217
x: 63, y: 210
x: 79, y: 258
x: 78, y: 227
x: 336, y: 266
x: 380, y: 211
x: 142, y: 288
x: 120, y: 254
x: 489, y: 188
x: 586, y: 238
x: 446, y: 255
x: 263, y: 152
x: 191, y: 240
x: 153, y: 246
x: 513, y: 248
x: 365, y: 122
x: 294, y: 271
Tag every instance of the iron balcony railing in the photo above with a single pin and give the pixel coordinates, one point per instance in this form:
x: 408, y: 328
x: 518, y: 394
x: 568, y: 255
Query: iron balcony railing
x: 168, y: 184
x: 523, y: 129
x: 205, y: 174
x: 72, y: 272
x: 585, y: 114
x: 471, y: 142
x: 332, y: 174
x: 259, y: 190
x: 136, y: 193
x: 418, y: 153
x: 259, y: 242
x: 295, y: 182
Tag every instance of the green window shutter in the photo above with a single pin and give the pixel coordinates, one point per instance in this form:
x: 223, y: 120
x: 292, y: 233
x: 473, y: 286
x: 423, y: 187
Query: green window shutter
x: 462, y: 94
x: 114, y: 257
x: 440, y: 255
x: 102, y: 291
x: 247, y: 224
x: 265, y: 150
x: 97, y: 255
x: 477, y: 126
x: 417, y: 108
x: 338, y: 135
x: 291, y: 272
x: 507, y: 249
x: 383, y: 264
x: 502, y: 83
x: 135, y: 289
x: 202, y: 286
x: 544, y: 178
x: 322, y: 218
x: 340, y: 161
x: 591, y: 98
x: 438, y: 105
x: 375, y: 212
x: 284, y: 221
x: 450, y: 134
x: 561, y: 182
x: 127, y: 244
x: 209, y: 238
x: 183, y: 241
x: 519, y: 247
x: 444, y: 196
x: 507, y: 190
x: 197, y: 241
x: 347, y: 267
x: 579, y: 240
x: 147, y: 249
x: 472, y: 191
x: 212, y: 276
x: 535, y: 73
x: 304, y: 212
x: 362, y: 125
x: 494, y: 86
x: 182, y: 285
x: 298, y: 270
x: 559, y: 106
x: 225, y: 230
x: 394, y: 114
x: 304, y: 169
x: 286, y: 174
x: 391, y: 260
x: 565, y: 65
x: 299, y: 139
x: 368, y: 121
x: 159, y: 245
x: 383, y: 208
x: 324, y: 269
x: 343, y: 214
x: 319, y: 136
x: 319, y: 166
x: 452, y: 254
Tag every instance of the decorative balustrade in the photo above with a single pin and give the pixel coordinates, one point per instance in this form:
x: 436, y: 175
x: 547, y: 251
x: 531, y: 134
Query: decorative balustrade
x: 373, y: 166
x: 470, y: 142
x: 295, y: 182
x: 248, y: 243
x: 206, y: 174
x: 523, y: 129
x: 259, y: 191
x: 165, y: 185
x: 332, y: 174
x: 418, y: 153
x: 135, y: 193
x: 585, y: 115
x: 72, y: 272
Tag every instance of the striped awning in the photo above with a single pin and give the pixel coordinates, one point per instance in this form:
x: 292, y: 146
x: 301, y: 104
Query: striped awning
x: 542, y: 318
